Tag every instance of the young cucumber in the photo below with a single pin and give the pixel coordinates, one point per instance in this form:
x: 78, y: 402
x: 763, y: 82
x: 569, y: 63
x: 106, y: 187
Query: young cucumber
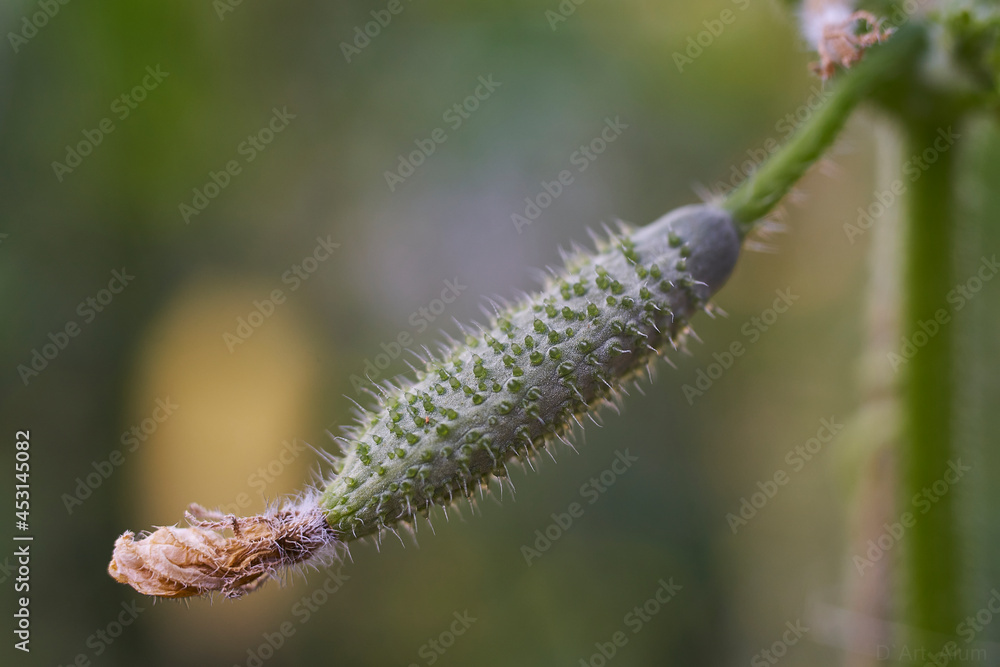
x: 504, y: 392
x: 509, y: 389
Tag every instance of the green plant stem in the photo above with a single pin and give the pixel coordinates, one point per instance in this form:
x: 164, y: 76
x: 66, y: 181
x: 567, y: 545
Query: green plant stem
x: 931, y: 598
x: 762, y: 191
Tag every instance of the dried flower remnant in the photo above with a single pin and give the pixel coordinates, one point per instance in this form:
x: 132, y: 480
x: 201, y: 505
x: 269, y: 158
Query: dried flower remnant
x: 830, y: 27
x: 178, y: 562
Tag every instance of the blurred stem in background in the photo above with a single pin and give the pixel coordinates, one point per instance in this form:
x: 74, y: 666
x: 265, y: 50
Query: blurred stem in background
x: 961, y: 46
x: 870, y: 452
x: 957, y: 75
x: 932, y: 594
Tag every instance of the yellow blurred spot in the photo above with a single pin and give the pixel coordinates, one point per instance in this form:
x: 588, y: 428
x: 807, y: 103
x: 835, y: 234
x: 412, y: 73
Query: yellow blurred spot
x: 236, y: 437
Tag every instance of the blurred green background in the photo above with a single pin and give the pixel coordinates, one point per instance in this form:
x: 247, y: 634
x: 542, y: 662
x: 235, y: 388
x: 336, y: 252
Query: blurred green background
x: 228, y: 67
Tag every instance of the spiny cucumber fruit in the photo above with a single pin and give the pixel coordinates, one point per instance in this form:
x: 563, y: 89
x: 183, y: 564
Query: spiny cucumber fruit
x: 510, y: 389
x: 506, y: 390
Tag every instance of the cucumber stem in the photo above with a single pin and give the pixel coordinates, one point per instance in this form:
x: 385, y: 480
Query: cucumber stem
x: 762, y: 191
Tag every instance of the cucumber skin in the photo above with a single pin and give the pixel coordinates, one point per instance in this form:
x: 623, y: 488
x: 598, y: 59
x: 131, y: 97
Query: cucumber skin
x: 512, y: 389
